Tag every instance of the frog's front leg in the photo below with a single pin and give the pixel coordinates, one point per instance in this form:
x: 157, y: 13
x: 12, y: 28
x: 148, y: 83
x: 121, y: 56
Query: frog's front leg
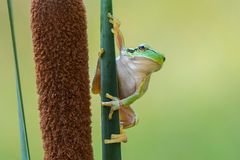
x: 118, y: 34
x: 116, y: 103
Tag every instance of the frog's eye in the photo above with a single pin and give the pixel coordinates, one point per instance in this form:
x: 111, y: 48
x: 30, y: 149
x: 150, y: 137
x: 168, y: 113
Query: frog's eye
x: 142, y: 48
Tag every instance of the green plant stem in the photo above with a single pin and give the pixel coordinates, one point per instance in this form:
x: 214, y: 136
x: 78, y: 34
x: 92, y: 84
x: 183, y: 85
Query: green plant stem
x: 108, y: 84
x: 22, y: 124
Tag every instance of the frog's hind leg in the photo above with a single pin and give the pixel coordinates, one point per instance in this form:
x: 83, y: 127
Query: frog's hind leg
x: 117, y: 138
x: 132, y: 124
x: 128, y: 117
x: 96, y: 87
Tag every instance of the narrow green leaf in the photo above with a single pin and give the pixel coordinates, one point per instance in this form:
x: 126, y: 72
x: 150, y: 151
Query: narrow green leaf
x: 21, y: 117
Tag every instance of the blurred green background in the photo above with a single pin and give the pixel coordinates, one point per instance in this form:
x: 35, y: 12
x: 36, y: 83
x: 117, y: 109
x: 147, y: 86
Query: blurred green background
x: 191, y: 110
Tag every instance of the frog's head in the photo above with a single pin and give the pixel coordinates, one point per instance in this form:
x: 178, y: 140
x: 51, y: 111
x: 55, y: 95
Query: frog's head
x: 147, y: 55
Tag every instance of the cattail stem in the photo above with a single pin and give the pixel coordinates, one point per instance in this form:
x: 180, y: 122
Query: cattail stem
x: 23, y: 132
x: 108, y: 84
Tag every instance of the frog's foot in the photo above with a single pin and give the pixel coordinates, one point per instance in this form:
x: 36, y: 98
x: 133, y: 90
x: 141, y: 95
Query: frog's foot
x: 114, y: 104
x: 100, y: 53
x: 117, y: 138
x: 116, y: 23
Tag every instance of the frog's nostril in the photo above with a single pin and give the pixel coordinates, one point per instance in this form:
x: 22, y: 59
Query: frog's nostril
x: 164, y: 59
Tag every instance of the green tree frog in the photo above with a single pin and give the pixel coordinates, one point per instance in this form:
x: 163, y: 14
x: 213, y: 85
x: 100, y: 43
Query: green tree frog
x: 134, y: 69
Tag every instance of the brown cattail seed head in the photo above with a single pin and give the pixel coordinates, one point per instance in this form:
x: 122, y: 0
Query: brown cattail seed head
x: 61, y: 58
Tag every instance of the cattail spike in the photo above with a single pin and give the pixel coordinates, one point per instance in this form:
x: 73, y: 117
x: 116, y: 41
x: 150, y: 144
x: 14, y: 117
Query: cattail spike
x: 61, y: 58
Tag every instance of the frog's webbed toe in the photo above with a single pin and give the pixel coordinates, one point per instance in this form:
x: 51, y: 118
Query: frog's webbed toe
x: 116, y: 22
x: 117, y: 138
x: 115, y: 104
x: 116, y: 31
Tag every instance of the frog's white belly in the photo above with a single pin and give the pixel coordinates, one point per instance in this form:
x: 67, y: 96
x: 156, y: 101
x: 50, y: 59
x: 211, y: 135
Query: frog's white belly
x: 126, y: 81
x: 127, y: 84
x: 129, y: 75
x: 131, y: 72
